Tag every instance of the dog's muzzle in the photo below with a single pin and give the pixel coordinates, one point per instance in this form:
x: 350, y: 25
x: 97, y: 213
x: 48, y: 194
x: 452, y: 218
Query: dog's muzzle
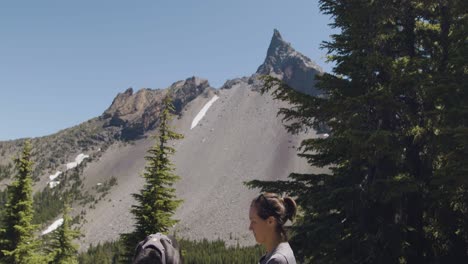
x: 154, y: 241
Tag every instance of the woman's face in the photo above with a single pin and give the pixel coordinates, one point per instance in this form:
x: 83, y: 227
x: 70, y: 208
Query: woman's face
x: 261, y: 229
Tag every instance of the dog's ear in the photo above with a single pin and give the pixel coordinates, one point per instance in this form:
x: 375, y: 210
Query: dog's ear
x: 172, y: 250
x: 138, y: 249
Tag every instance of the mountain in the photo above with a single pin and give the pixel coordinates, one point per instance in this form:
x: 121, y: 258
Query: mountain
x: 138, y: 113
x: 128, y: 118
x: 292, y: 67
x: 239, y: 138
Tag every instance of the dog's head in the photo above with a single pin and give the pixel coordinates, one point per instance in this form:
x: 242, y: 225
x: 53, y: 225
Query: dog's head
x: 157, y: 249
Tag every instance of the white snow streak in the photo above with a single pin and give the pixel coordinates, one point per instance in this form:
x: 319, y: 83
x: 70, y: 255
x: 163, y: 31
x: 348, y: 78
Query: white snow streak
x: 52, y: 177
x: 52, y: 184
x: 53, y: 226
x: 325, y: 135
x: 202, y: 112
x: 77, y: 161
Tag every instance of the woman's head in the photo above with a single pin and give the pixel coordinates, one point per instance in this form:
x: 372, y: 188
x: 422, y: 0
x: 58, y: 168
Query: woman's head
x: 268, y: 214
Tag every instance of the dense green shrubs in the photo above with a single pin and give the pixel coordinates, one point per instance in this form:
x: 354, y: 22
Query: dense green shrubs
x: 106, y: 253
x: 216, y: 252
x: 47, y: 205
x: 200, y: 252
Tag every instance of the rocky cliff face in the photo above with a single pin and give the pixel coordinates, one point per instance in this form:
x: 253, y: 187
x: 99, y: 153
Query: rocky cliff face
x: 186, y: 91
x: 285, y: 62
x: 138, y: 113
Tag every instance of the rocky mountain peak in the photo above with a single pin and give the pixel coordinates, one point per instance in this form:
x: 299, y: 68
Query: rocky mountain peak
x: 284, y: 62
x: 128, y: 92
x: 186, y: 90
x: 278, y: 49
x: 136, y: 113
x: 190, y: 83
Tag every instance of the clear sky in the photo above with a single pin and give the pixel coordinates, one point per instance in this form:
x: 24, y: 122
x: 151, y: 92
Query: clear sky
x: 63, y: 62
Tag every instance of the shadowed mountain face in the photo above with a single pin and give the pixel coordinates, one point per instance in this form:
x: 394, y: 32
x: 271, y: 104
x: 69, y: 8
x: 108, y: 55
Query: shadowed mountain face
x: 240, y: 138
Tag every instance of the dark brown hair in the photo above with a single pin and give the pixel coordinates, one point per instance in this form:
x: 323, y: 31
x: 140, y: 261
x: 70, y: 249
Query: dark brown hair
x: 271, y: 204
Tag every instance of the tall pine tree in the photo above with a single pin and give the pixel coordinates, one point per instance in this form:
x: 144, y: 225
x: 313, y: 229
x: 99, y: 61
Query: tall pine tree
x: 396, y: 110
x: 64, y: 251
x: 18, y: 242
x: 446, y: 31
x: 157, y: 201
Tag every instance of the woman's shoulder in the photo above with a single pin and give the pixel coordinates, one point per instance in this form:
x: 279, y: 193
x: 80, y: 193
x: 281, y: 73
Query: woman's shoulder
x: 283, y: 254
x: 278, y: 259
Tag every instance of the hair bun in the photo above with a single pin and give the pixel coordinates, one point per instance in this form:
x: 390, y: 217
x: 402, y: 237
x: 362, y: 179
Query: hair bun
x: 291, y: 208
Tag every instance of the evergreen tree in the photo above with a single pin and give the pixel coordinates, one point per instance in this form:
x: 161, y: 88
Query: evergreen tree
x: 448, y: 212
x: 17, y: 238
x: 64, y: 250
x: 397, y: 150
x: 157, y: 201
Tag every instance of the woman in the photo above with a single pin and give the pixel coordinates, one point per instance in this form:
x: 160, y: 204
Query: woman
x: 268, y: 214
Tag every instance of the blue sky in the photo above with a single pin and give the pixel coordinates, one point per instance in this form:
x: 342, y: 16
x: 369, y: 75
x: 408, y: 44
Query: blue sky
x: 63, y: 62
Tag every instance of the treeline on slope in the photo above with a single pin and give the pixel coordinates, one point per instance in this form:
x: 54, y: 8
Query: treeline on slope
x: 55, y: 150
x: 3, y: 201
x: 20, y: 216
x: 397, y: 151
x: 216, y: 252
x: 193, y: 252
x: 19, y: 242
x: 48, y: 203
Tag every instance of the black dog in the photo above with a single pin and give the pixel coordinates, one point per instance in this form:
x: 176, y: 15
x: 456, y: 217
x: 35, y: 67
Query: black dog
x: 157, y: 249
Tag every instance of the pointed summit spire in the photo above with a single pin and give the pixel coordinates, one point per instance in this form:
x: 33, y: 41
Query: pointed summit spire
x: 278, y: 45
x: 277, y: 34
x: 283, y: 61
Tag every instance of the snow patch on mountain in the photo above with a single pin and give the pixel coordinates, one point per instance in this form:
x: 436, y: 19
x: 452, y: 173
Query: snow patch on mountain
x: 203, y: 111
x: 53, y: 226
x: 53, y: 176
x: 77, y: 161
x: 52, y: 184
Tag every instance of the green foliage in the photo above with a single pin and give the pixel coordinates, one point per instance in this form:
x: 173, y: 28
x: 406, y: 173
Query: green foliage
x: 396, y: 108
x: 106, y: 253
x: 3, y: 201
x: 48, y: 203
x: 17, y: 238
x: 216, y: 252
x: 196, y: 252
x: 156, y: 202
x: 106, y: 185
x: 55, y: 150
x: 19, y: 244
x: 87, y: 137
x: 103, y: 188
x: 64, y: 251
